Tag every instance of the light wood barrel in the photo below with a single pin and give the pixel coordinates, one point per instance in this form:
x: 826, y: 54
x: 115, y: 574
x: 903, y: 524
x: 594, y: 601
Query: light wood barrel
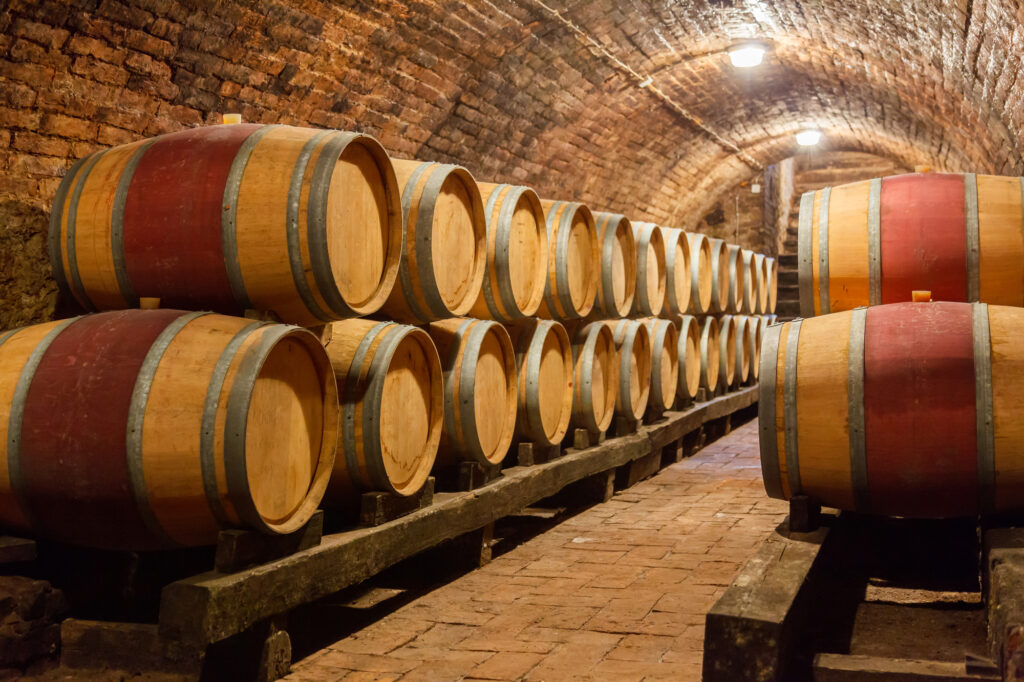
x: 772, y: 266
x: 709, y: 354
x: 727, y: 342
x: 573, y: 261
x: 169, y: 426
x: 595, y: 377
x: 301, y: 222
x: 737, y: 279
x: 545, y: 366
x: 678, y: 276
x: 445, y: 250
x: 480, y: 392
x: 909, y: 409
x: 633, y: 343
x: 743, y: 355
x: 688, y: 332
x: 866, y: 243
x: 750, y: 275
x: 517, y: 254
x: 390, y: 384
x: 755, y: 329
x: 721, y: 296
x: 701, y: 282
x: 650, y: 270
x: 761, y: 299
x: 664, y: 363
x: 617, y: 283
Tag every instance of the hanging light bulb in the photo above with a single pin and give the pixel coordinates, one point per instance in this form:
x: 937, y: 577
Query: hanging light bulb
x: 808, y: 138
x: 747, y: 55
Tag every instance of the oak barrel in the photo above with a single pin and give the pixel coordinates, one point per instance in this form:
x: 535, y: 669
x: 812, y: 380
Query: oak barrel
x: 960, y: 236
x: 574, y: 266
x: 445, y: 250
x: 305, y: 223
x: 738, y: 279
x: 617, y: 283
x: 688, y: 328
x: 650, y: 270
x: 390, y: 386
x: 700, y: 271
x: 678, y: 278
x: 772, y: 266
x: 755, y: 329
x: 664, y: 364
x: 744, y: 351
x: 545, y: 368
x: 722, y: 298
x: 633, y: 343
x: 595, y: 377
x: 480, y: 390
x: 727, y: 341
x: 517, y: 254
x: 908, y: 409
x: 761, y: 300
x: 709, y: 354
x: 172, y: 425
x: 750, y: 283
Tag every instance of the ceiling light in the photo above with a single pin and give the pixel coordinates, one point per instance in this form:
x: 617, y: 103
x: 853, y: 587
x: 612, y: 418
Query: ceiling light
x: 808, y: 138
x: 746, y: 55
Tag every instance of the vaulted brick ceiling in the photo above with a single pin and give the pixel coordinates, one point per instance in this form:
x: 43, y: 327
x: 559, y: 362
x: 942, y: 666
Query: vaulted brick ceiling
x: 629, y: 105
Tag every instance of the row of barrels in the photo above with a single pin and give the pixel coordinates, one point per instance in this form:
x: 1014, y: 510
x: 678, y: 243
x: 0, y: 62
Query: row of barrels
x: 321, y: 225
x: 175, y: 424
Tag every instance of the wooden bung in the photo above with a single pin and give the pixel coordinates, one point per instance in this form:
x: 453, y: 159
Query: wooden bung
x: 445, y: 250
x: 650, y: 271
x: 595, y: 377
x: 664, y: 364
x: 633, y: 343
x: 702, y: 273
x: 480, y: 392
x: 173, y: 425
x: 302, y: 222
x: 390, y: 385
x: 617, y: 284
x: 545, y: 368
x: 574, y: 267
x: 517, y: 254
x: 678, y: 278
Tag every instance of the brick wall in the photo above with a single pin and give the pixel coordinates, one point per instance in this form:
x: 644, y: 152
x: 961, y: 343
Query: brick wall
x: 630, y: 107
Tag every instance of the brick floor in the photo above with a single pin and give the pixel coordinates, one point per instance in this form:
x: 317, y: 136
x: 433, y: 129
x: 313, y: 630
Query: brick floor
x: 617, y: 592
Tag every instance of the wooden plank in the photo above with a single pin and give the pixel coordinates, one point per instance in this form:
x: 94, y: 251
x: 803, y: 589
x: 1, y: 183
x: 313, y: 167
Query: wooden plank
x: 1003, y: 578
x: 15, y: 550
x: 849, y: 668
x: 209, y: 607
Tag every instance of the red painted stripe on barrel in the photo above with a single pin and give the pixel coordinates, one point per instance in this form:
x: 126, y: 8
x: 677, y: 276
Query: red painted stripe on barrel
x: 172, y: 218
x: 73, y: 452
x: 923, y: 237
x: 919, y: 413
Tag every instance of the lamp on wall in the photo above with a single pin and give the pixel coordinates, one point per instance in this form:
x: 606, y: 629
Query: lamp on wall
x: 808, y: 138
x: 747, y: 55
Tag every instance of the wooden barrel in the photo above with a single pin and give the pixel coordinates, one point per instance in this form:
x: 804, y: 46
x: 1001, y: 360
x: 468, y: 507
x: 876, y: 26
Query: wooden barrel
x: 305, y: 223
x: 170, y: 426
x: 755, y: 329
x: 445, y: 251
x: 761, y: 299
x: 389, y: 378
x: 517, y: 254
x: 664, y: 364
x: 871, y: 242
x: 772, y: 266
x: 701, y: 281
x: 617, y: 284
x: 743, y: 357
x: 595, y: 377
x: 709, y: 354
x: 727, y: 340
x: 480, y: 391
x: 678, y: 277
x: 688, y: 332
x: 909, y: 409
x: 545, y: 368
x: 633, y: 343
x: 721, y: 296
x: 574, y: 264
x: 750, y: 275
x: 737, y: 279
x: 650, y: 270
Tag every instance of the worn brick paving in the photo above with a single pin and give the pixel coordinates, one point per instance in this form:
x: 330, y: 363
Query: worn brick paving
x: 617, y: 592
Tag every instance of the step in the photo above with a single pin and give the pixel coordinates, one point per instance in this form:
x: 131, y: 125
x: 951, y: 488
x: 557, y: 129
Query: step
x: 788, y: 309
x: 787, y: 260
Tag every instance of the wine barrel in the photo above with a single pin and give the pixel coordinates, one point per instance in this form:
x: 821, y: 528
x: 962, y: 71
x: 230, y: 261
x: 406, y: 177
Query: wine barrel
x: 772, y: 266
x: 650, y: 270
x: 908, y: 409
x: 517, y: 254
x: 872, y: 242
x: 750, y: 275
x: 617, y: 283
x: 389, y: 378
x: 727, y: 340
x: 761, y: 299
x: 664, y: 364
x: 743, y: 357
x: 755, y: 329
x: 737, y: 279
x: 574, y: 261
x: 678, y: 278
x: 722, y: 299
x: 595, y: 374
x: 688, y: 333
x: 305, y: 223
x: 445, y: 251
x: 633, y: 343
x: 709, y: 354
x: 171, y: 426
x: 701, y: 273
x: 545, y: 367
x: 480, y: 394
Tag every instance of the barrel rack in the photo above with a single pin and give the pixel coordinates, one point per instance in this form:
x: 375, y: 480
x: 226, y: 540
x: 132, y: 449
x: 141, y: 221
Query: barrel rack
x: 257, y: 581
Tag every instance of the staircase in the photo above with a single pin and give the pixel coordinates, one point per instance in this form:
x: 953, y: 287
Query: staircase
x: 788, y: 305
